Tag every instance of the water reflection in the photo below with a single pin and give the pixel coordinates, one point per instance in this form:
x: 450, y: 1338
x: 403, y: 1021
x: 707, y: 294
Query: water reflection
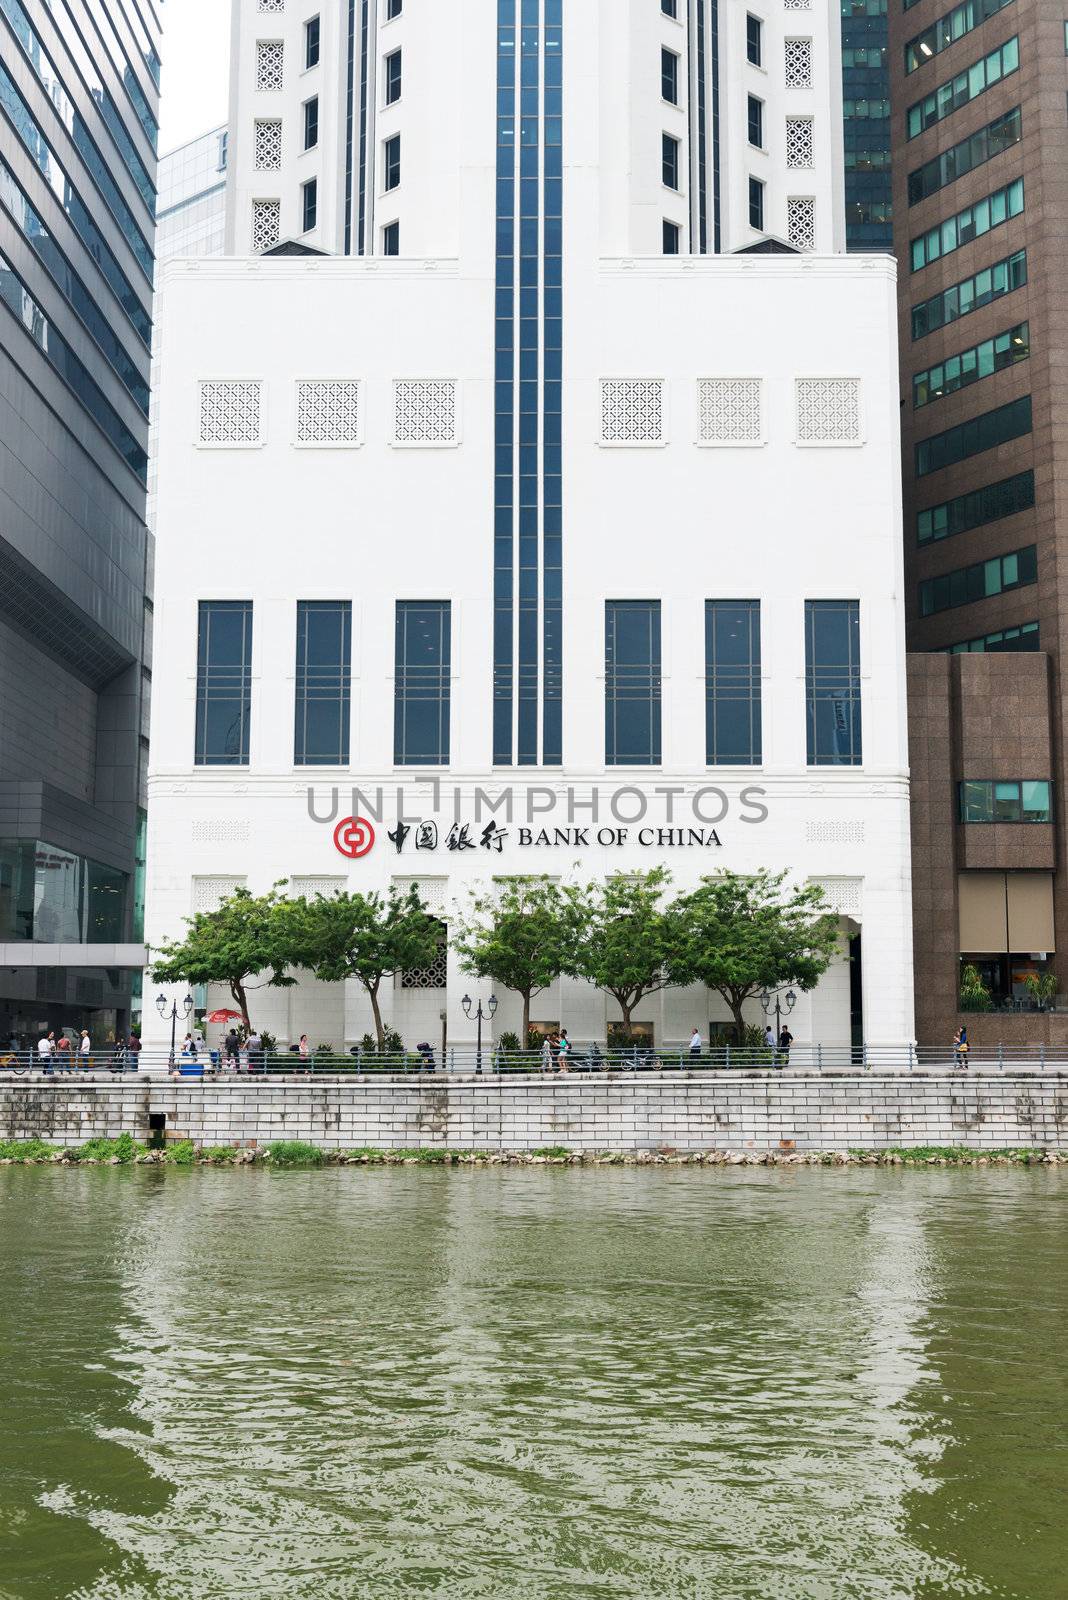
x: 534, y: 1383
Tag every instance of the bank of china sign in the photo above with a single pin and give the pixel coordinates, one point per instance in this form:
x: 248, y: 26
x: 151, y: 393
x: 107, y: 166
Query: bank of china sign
x: 432, y: 818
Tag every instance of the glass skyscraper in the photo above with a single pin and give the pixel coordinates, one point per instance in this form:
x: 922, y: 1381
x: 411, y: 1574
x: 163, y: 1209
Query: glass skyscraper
x: 866, y: 107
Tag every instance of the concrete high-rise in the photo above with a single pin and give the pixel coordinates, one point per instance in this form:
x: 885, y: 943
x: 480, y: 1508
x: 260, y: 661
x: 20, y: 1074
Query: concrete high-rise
x: 980, y: 204
x: 78, y: 102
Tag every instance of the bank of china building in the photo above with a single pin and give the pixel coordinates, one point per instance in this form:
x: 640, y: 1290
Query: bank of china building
x: 529, y: 491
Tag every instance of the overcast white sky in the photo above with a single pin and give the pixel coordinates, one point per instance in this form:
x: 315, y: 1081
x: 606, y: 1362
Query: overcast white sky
x: 196, y: 69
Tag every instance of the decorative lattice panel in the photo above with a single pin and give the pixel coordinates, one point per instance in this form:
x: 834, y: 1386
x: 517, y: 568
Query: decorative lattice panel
x: 268, y: 144
x: 266, y: 224
x: 632, y: 411
x: 273, y: 6
x: 230, y: 411
x: 728, y: 411
x: 209, y: 893
x: 308, y: 888
x: 843, y: 895
x: 328, y: 411
x: 834, y: 832
x: 431, y: 891
x: 270, y: 60
x: 433, y: 977
x: 220, y: 830
x: 798, y: 63
x: 797, y: 5
x: 425, y: 411
x: 799, y: 142
x: 801, y: 222
x: 828, y: 410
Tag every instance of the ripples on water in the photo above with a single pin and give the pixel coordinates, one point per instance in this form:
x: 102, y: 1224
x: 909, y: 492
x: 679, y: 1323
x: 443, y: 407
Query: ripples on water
x: 792, y: 1385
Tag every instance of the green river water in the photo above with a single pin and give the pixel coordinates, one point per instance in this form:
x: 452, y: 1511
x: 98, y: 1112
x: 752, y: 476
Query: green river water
x: 791, y: 1384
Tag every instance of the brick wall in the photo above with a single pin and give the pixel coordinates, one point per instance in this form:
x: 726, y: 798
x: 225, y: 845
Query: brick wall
x: 735, y: 1111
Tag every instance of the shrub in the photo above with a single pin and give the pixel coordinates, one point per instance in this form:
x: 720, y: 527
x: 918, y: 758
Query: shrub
x: 552, y: 1152
x: 182, y: 1153
x: 509, y: 1041
x: 125, y: 1148
x: 219, y: 1154
x: 294, y: 1153
x: 25, y: 1150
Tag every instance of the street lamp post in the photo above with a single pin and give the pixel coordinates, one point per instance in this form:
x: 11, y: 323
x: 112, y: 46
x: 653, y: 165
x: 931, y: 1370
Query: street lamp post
x: 480, y: 1017
x: 161, y: 1007
x: 766, y: 998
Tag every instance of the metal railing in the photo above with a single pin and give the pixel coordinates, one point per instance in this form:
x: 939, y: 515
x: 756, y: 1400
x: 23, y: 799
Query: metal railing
x: 584, y: 1061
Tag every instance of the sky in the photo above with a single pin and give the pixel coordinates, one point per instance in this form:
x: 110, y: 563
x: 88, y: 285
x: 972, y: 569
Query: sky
x: 195, y: 70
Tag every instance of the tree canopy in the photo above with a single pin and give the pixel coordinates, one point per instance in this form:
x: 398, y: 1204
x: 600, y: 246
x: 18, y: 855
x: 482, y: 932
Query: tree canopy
x: 627, y: 941
x: 520, y: 936
x: 244, y: 937
x: 746, y: 932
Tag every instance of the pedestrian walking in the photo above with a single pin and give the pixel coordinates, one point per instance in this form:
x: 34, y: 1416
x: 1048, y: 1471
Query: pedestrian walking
x: 960, y: 1048
x: 62, y: 1053
x: 304, y: 1051
x: 564, y: 1052
x: 546, y: 1054
x: 769, y: 1039
x: 695, y: 1044
x: 133, y: 1046
x: 85, y: 1044
x: 255, y: 1051
x: 44, y: 1051
x: 786, y: 1039
x: 189, y: 1047
x: 233, y: 1049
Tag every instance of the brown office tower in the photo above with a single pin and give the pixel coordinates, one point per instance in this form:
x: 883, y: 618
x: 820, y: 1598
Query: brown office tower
x: 980, y: 138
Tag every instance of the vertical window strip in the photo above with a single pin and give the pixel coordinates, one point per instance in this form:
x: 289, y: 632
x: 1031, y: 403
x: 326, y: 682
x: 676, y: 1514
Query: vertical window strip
x: 552, y: 395
x: 733, y: 735
x: 323, y: 683
x: 505, y: 392
x: 350, y: 116
x: 423, y: 682
x: 224, y: 683
x: 832, y: 683
x: 702, y: 129
x: 633, y: 683
x: 530, y: 247
x: 365, y: 117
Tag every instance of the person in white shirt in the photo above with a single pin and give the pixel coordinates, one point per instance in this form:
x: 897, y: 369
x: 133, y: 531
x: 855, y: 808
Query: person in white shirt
x: 695, y: 1043
x: 85, y: 1044
x: 44, y: 1050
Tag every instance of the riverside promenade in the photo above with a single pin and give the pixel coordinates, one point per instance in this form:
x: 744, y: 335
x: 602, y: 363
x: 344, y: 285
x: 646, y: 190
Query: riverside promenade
x: 988, y: 1108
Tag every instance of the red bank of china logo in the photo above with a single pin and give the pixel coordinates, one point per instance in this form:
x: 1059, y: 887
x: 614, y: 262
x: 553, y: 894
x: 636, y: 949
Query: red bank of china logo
x: 354, y: 837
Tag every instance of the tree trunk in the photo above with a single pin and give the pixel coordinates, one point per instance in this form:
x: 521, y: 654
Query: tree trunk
x: 380, y: 1032
x: 626, y: 1010
x: 526, y: 1019
x: 237, y: 991
x: 739, y: 1021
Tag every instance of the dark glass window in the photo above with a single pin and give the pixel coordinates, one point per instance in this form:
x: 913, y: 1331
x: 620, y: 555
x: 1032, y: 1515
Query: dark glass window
x: 670, y: 8
x: 391, y: 239
x: 669, y: 76
x: 832, y: 682
x: 980, y: 361
x: 393, y: 161
x: 978, y: 506
x: 996, y: 800
x: 224, y: 683
x: 311, y: 42
x: 970, y: 294
x: 979, y: 581
x: 324, y: 683
x: 732, y: 683
x: 393, y: 9
x: 632, y: 683
x: 756, y: 203
x: 670, y: 161
x: 969, y: 224
x: 966, y: 86
x: 311, y: 122
x: 948, y: 29
x: 393, y: 77
x: 309, y: 195
x: 755, y: 121
x: 754, y: 39
x: 971, y: 438
x: 52, y: 896
x: 672, y: 237
x: 981, y: 146
x: 422, y: 689
x: 1023, y: 639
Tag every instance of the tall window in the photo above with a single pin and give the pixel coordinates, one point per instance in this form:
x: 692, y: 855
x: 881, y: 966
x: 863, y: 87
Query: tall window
x: 672, y: 238
x: 732, y: 683
x: 311, y: 122
x: 632, y: 683
x: 309, y: 204
x: 311, y: 42
x: 832, y: 682
x: 324, y: 681
x: 393, y: 161
x: 422, y: 687
x: 391, y: 239
x: 393, y: 9
x: 671, y: 161
x: 754, y: 39
x: 224, y: 683
x: 393, y: 77
x: 670, y: 8
x: 756, y: 204
x: 669, y: 76
x: 755, y: 120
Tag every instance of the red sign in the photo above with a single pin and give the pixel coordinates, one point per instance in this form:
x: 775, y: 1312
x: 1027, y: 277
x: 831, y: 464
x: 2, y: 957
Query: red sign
x: 354, y: 837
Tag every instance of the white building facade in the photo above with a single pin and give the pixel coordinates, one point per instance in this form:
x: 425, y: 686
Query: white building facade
x: 533, y: 549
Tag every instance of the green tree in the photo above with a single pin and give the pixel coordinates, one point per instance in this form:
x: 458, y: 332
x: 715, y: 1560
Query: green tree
x: 746, y: 932
x: 363, y: 937
x: 245, y: 937
x: 625, y: 940
x: 520, y: 936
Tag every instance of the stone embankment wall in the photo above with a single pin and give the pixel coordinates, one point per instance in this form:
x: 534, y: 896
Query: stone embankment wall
x: 678, y: 1111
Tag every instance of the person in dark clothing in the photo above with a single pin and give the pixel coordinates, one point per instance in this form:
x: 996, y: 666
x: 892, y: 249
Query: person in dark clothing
x: 786, y: 1039
x: 233, y: 1049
